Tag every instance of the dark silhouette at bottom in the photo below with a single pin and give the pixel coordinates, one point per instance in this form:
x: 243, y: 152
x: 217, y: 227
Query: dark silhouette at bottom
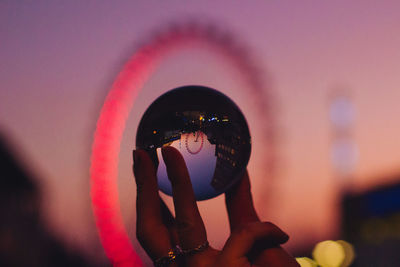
x: 24, y: 240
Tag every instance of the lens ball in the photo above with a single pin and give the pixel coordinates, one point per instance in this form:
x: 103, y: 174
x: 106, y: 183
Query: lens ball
x: 207, y: 128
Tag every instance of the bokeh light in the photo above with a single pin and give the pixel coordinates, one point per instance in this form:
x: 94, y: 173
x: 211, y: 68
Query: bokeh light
x: 306, y: 262
x: 331, y: 253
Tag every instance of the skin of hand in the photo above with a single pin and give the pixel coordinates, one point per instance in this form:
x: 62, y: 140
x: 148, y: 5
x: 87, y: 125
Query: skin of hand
x: 251, y: 243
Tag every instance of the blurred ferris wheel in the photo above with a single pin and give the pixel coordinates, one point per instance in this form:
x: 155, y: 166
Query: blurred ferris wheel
x: 119, y: 102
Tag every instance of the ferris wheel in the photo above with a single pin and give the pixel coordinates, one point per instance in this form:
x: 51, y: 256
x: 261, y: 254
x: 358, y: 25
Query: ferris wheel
x: 194, y: 142
x: 121, y: 98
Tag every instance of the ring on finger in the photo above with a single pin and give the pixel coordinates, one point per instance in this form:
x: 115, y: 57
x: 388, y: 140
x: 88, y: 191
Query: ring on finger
x: 171, y: 256
x: 195, y: 250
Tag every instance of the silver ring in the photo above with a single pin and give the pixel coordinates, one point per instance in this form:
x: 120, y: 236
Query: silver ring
x: 195, y: 250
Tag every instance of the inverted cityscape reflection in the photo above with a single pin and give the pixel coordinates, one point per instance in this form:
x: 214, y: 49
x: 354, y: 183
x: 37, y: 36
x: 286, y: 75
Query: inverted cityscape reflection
x: 207, y: 128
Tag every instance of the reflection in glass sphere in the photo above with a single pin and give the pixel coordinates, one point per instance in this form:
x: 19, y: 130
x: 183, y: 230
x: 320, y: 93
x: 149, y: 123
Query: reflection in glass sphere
x: 207, y: 128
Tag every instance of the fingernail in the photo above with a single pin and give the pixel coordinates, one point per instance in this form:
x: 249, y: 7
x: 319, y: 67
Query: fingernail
x: 164, y: 153
x: 285, y: 237
x: 135, y: 158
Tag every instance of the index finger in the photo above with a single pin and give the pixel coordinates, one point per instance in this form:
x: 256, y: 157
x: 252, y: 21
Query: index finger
x: 239, y: 204
x: 190, y: 226
x: 152, y: 234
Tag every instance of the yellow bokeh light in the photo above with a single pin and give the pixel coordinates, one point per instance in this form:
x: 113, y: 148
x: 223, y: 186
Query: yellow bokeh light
x: 329, y: 254
x: 306, y: 262
x: 349, y: 253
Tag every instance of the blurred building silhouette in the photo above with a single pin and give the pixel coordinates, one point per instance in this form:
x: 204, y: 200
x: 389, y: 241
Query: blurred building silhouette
x: 24, y: 238
x: 371, y: 222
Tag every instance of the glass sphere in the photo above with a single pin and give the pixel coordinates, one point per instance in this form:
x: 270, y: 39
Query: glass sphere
x: 207, y: 128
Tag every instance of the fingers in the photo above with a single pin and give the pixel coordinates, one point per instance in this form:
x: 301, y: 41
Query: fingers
x: 152, y: 234
x: 169, y: 222
x: 242, y: 240
x: 239, y: 204
x: 241, y: 211
x: 190, y: 226
x: 275, y: 256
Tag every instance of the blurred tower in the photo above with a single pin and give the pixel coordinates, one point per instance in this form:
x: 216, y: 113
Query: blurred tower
x: 344, y: 152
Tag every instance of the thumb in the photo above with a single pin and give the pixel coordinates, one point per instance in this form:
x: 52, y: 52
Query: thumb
x: 243, y: 239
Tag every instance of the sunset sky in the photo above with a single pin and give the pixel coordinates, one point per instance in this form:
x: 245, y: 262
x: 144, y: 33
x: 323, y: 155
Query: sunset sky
x: 58, y: 60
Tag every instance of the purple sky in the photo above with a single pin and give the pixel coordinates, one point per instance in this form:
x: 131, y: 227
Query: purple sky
x: 59, y: 58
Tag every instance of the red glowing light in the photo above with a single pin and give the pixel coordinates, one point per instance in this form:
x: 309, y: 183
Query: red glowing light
x: 111, y: 125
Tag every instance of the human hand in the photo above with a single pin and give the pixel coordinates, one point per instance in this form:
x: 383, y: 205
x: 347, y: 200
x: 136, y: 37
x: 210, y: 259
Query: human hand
x: 241, y: 212
x: 251, y: 243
